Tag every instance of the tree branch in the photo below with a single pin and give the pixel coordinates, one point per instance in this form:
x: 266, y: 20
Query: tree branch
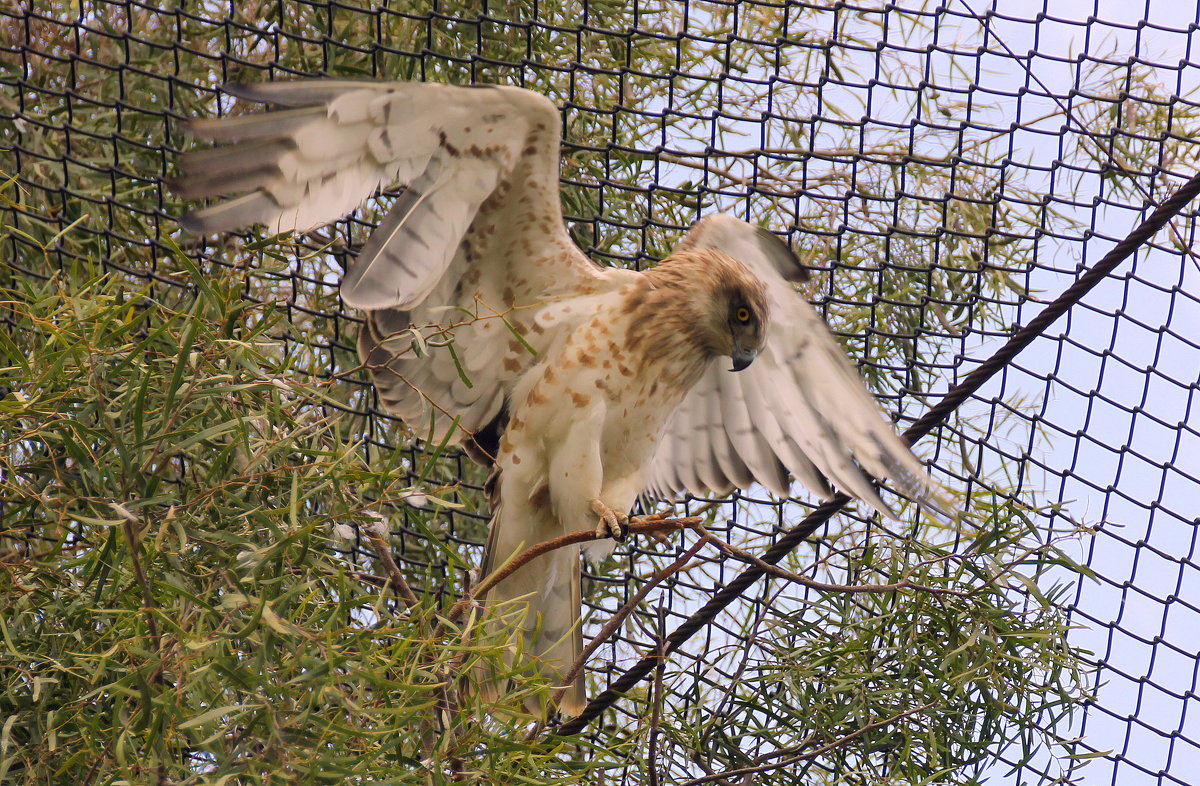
x: 792, y: 759
x: 128, y: 519
x: 395, y: 578
x: 657, y: 702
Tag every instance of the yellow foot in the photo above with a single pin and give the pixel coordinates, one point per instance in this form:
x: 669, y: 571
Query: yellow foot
x: 611, y: 524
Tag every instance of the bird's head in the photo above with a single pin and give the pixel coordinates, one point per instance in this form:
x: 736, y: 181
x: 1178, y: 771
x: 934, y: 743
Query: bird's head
x: 707, y: 300
x: 734, y: 320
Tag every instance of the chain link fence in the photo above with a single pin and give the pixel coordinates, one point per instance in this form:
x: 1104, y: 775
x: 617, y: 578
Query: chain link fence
x: 944, y: 168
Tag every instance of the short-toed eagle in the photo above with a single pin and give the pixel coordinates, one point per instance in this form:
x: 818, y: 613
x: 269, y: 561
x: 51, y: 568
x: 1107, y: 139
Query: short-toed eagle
x: 585, y: 385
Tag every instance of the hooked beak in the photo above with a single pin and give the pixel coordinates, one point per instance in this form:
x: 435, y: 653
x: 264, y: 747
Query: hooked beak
x: 742, y: 357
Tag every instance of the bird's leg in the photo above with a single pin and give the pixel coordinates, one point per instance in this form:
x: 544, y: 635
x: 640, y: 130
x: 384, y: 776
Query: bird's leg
x: 612, y: 523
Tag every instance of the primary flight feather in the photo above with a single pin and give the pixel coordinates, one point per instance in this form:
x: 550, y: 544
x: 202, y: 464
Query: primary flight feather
x: 584, y: 386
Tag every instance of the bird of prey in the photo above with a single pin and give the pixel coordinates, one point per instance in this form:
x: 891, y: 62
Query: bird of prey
x: 585, y: 386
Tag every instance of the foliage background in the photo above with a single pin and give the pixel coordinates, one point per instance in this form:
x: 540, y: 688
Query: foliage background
x: 191, y: 461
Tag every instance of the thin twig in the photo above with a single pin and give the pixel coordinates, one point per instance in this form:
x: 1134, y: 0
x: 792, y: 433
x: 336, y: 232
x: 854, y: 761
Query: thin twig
x: 444, y: 707
x: 657, y: 702
x: 357, y: 575
x: 757, y: 768
x: 384, y: 552
x: 128, y: 519
x: 179, y: 407
x: 748, y: 640
x: 706, y: 167
x: 760, y: 174
x: 822, y: 586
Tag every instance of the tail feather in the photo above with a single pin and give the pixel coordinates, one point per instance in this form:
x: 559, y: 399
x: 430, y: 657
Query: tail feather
x: 550, y: 637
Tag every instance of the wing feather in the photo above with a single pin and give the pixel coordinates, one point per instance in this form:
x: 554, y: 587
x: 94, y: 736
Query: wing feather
x: 247, y: 128
x: 728, y: 469
x: 747, y: 445
x: 302, y: 92
x: 681, y: 448
x: 771, y: 406
x: 477, y: 230
x: 405, y: 258
x: 703, y: 465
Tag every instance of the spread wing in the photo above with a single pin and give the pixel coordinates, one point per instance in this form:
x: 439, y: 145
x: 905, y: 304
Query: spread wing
x: 799, y: 409
x: 475, y: 240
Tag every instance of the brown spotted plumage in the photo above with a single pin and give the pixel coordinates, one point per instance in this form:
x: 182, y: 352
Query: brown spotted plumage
x: 583, y: 385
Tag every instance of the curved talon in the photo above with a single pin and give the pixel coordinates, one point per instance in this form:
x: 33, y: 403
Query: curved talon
x: 611, y: 524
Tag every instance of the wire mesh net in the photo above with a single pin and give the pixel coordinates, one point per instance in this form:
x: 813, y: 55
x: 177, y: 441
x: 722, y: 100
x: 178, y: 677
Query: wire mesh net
x: 944, y: 168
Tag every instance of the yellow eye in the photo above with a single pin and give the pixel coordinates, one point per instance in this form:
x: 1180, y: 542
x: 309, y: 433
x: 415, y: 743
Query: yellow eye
x: 742, y: 315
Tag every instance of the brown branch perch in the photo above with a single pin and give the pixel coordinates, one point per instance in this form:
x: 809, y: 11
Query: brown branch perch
x: 642, y: 525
